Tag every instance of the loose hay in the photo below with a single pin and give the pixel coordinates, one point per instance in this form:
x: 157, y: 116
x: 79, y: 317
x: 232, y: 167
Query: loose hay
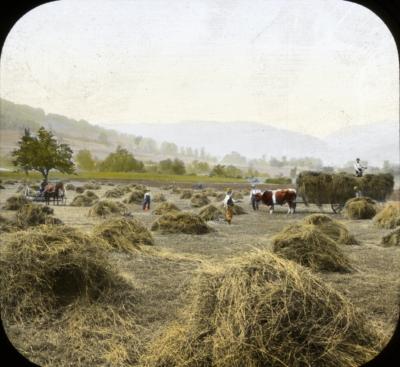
x: 159, y: 197
x: 107, y: 207
x: 210, y: 212
x: 16, y: 202
x: 135, y: 197
x: 199, y: 200
x: 220, y: 196
x: 186, y: 194
x: 80, y: 189
x: 360, y: 208
x: 392, y: 239
x: 58, y: 286
x: 34, y: 215
x: 166, y: 208
x: 308, y: 246
x: 389, y: 216
x: 181, y: 222
x: 92, y: 186
x: 261, y: 310
x: 124, y: 234
x: 83, y: 200
x: 70, y: 186
x: 332, y: 228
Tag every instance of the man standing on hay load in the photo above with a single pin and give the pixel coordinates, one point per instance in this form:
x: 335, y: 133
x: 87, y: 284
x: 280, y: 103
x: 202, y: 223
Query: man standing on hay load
x: 228, y: 205
x: 359, y: 168
x: 146, y: 201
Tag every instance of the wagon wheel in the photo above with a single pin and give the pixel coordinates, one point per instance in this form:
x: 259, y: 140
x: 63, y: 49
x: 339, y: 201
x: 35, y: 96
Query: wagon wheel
x: 337, y: 208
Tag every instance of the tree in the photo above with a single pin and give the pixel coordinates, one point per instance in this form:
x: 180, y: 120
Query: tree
x: 85, y: 160
x: 175, y: 166
x: 121, y: 161
x: 42, y: 153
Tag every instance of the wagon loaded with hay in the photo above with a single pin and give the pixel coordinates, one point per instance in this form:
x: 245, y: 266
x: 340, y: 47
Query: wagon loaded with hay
x: 335, y: 189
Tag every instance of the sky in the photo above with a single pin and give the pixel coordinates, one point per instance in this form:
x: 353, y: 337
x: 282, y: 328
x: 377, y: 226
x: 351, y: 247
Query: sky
x: 311, y: 66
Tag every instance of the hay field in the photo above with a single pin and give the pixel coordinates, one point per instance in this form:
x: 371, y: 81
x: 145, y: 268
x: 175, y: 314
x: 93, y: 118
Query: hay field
x: 161, y: 277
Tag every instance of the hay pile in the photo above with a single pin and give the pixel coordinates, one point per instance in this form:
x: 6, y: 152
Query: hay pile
x: 91, y: 186
x: 261, y: 310
x: 220, y: 196
x: 58, y: 287
x: 166, y: 208
x: 7, y: 225
x: 392, y: 239
x: 79, y: 189
x: 389, y: 216
x: 104, y: 208
x: 135, y: 197
x: 34, y: 215
x: 117, y: 191
x: 308, y: 246
x: 209, y: 192
x: 360, y: 208
x: 159, y: 197
x: 210, y: 212
x: 186, y: 194
x: 176, y: 190
x: 124, y: 234
x: 180, y: 222
x: 237, y: 196
x: 84, y: 200
x: 70, y: 186
x: 332, y: 228
x: 16, y: 202
x: 199, y: 200
x: 91, y: 194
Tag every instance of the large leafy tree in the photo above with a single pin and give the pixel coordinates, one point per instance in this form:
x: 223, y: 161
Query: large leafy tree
x: 121, y: 161
x: 42, y: 153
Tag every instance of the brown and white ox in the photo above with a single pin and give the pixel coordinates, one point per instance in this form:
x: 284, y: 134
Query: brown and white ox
x: 278, y: 197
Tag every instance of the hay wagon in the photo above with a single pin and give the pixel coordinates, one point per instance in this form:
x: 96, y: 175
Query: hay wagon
x: 335, y: 189
x: 35, y: 196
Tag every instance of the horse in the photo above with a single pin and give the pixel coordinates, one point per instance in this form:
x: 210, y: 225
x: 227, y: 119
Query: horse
x: 281, y: 196
x: 56, y: 191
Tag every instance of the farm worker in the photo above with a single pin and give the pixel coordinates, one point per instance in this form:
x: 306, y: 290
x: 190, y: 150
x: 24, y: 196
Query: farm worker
x: 228, y: 205
x: 359, y: 169
x: 146, y: 200
x: 42, y: 187
x: 253, y: 193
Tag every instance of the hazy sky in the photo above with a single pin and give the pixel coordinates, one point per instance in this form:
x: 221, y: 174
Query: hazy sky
x: 311, y: 66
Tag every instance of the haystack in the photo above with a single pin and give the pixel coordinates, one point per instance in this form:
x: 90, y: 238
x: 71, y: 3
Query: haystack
x: 83, y: 200
x: 91, y: 194
x: 237, y: 196
x: 209, y: 192
x: 308, y: 246
x: 377, y: 186
x: 135, y: 197
x: 71, y: 265
x: 180, y: 222
x: 91, y: 186
x: 7, y: 225
x: 176, y: 190
x: 16, y: 202
x: 115, y: 192
x: 59, y: 288
x: 392, y: 239
x: 34, y: 215
x: 186, y: 194
x: 159, y: 197
x: 210, y: 212
x: 220, y: 196
x: 389, y: 216
x: 166, y: 208
x: 80, y: 189
x: 261, y: 310
x: 360, y: 208
x: 332, y: 228
x: 104, y: 208
x: 70, y: 186
x: 199, y: 200
x: 124, y: 234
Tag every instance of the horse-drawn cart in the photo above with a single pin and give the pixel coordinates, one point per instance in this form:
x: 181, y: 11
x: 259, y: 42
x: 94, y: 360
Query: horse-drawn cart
x: 335, y: 189
x: 44, y: 197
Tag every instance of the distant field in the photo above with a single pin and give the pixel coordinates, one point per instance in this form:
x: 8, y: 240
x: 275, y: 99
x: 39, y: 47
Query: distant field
x: 137, y: 176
